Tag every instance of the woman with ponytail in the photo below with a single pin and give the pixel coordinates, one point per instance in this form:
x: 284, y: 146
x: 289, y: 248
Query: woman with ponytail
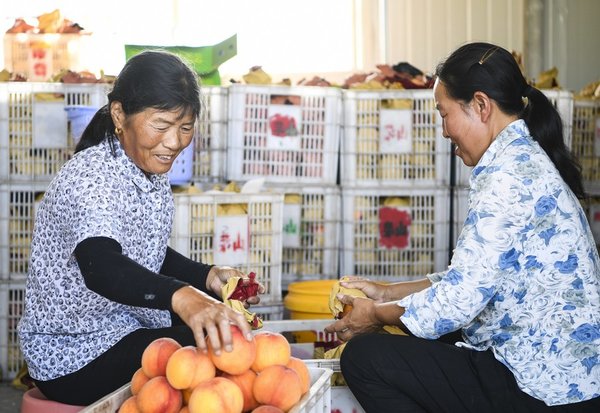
x: 513, y: 325
x: 103, y: 282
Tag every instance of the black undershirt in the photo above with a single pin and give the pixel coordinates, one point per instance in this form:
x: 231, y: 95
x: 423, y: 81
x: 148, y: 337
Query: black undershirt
x: 111, y: 274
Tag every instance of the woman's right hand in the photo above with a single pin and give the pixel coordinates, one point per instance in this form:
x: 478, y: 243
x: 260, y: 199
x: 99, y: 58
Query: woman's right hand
x: 208, y: 318
x: 373, y: 290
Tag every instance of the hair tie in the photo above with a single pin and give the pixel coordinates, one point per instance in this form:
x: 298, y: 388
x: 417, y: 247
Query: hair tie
x: 527, y: 91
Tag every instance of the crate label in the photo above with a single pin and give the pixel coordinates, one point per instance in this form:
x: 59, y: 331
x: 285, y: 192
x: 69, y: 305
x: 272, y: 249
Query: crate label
x: 284, y: 127
x: 394, y: 227
x: 597, y: 139
x: 395, y: 131
x: 291, y: 225
x: 231, y: 240
x: 595, y: 222
x: 49, y: 124
x: 39, y: 60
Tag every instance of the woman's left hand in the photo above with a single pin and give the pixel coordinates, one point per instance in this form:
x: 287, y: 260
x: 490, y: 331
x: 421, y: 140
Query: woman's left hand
x: 360, y: 319
x: 218, y: 277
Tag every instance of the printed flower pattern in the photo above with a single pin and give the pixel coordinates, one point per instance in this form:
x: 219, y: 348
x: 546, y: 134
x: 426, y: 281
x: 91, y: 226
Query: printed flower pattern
x: 524, y: 278
x: 94, y: 194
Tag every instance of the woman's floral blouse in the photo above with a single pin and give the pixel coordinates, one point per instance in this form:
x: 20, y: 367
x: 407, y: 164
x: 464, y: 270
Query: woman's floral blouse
x: 524, y: 280
x: 66, y: 325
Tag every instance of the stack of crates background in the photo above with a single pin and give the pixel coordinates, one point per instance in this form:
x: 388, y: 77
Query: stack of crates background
x: 394, y: 185
x: 288, y: 136
x: 35, y: 141
x: 586, y: 147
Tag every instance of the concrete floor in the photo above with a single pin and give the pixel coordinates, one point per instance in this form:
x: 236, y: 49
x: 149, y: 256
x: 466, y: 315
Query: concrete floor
x: 10, y: 398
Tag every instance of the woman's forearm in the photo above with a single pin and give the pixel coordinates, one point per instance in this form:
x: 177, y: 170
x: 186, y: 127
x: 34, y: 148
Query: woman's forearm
x: 399, y: 290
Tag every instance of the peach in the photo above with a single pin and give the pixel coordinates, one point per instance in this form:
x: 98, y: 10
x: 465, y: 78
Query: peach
x: 138, y: 380
x: 188, y: 366
x: 278, y: 386
x: 216, y: 395
x: 184, y: 409
x: 245, y: 382
x: 129, y: 406
x: 157, y: 396
x: 271, y: 348
x: 187, y: 393
x: 300, y: 367
x: 156, y: 355
x: 265, y: 408
x: 239, y: 359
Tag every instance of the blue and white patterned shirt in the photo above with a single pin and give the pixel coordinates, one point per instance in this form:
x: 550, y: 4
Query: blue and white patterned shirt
x: 524, y: 279
x: 65, y: 325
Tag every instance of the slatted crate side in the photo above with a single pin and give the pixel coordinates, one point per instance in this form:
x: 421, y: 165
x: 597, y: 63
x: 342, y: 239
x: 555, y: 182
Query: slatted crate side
x: 586, y: 141
x: 12, y: 303
x: 35, y: 133
x: 210, y: 142
x: 311, y: 157
x: 194, y: 233
x: 422, y: 159
x: 311, y: 232
x: 409, y: 243
x: 18, y: 205
x: 564, y: 104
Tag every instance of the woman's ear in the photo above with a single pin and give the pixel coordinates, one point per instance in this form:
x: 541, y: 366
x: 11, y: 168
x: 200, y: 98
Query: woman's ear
x: 483, y: 105
x: 116, y: 113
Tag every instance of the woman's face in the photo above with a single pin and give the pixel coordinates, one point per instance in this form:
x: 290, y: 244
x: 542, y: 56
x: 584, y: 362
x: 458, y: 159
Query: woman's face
x: 461, y: 123
x: 153, y: 138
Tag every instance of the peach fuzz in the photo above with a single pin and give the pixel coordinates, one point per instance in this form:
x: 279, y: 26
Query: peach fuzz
x: 138, y: 379
x: 216, y: 395
x: 157, y: 396
x: 157, y: 354
x: 271, y: 348
x: 245, y: 382
x: 239, y: 359
x: 129, y: 405
x: 188, y: 367
x: 300, y: 367
x: 278, y: 386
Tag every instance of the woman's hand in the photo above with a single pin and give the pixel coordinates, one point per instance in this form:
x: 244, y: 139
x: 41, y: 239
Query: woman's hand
x: 218, y: 277
x: 359, y: 320
x: 208, y: 318
x: 373, y: 290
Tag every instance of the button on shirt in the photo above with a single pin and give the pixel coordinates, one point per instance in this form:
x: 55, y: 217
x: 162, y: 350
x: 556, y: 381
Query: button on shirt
x: 96, y: 194
x: 524, y: 277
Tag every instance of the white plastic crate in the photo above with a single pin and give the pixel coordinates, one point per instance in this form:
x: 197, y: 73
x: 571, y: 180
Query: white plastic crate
x: 593, y: 212
x: 18, y: 204
x: 563, y: 102
x: 284, y: 134
x: 239, y: 230
x: 394, y: 234
x: 210, y: 143
x: 586, y: 141
x: 12, y: 302
x: 40, y: 56
x: 342, y: 399
x: 311, y: 232
x: 316, y: 400
x: 35, y: 137
x: 268, y: 312
x: 392, y: 138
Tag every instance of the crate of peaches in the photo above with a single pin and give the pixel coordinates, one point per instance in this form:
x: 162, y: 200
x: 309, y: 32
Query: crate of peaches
x: 259, y: 376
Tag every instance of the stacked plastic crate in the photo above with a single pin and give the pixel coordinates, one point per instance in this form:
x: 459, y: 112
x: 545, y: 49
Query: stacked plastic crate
x: 563, y: 102
x: 394, y: 184
x: 288, y: 136
x: 38, y: 130
x: 586, y: 147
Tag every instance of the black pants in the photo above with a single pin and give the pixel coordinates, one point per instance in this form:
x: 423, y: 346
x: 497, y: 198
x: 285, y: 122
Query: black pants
x: 110, y: 370
x: 392, y: 373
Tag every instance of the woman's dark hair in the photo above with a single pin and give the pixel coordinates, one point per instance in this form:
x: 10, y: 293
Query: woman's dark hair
x: 493, y: 70
x: 152, y: 79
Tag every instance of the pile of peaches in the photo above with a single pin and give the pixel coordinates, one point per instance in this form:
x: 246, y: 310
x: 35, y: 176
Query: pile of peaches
x: 258, y: 376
